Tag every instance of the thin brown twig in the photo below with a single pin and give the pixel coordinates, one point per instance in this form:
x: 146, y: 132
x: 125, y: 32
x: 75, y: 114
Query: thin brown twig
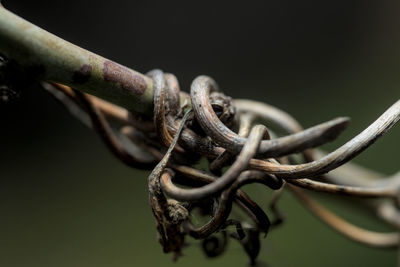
x: 355, y: 233
x: 356, y: 191
x: 100, y: 124
x: 341, y: 155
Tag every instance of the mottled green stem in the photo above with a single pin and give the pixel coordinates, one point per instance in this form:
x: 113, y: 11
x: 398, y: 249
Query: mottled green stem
x: 51, y: 58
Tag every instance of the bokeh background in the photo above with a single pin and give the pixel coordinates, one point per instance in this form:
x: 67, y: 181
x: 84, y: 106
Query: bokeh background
x: 65, y: 201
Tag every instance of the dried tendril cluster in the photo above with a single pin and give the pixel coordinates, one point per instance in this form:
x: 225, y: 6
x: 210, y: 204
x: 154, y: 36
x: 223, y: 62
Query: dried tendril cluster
x: 207, y: 124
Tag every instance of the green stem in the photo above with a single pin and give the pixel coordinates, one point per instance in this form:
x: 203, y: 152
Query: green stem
x: 51, y: 58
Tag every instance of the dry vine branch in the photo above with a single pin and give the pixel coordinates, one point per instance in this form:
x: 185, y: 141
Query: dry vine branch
x: 169, y: 137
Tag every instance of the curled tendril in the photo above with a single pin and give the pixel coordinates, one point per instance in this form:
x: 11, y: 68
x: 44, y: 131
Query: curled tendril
x: 231, y: 141
x: 227, y: 178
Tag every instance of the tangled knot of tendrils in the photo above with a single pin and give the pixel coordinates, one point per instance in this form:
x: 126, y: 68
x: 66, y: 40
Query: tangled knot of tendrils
x: 206, y: 124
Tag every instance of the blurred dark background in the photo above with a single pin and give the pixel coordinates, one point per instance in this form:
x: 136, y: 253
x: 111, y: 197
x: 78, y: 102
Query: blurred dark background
x: 65, y: 201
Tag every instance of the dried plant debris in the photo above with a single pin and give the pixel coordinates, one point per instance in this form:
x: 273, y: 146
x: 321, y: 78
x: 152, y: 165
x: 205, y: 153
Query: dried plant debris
x: 238, y: 152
